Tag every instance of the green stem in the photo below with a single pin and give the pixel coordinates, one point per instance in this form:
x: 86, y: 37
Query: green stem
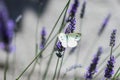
x: 60, y: 67
x: 14, y: 64
x: 55, y: 69
x: 111, y: 51
x: 62, y: 25
x: 116, y: 73
x: 28, y: 66
x: 48, y: 64
x: 32, y: 70
x: 6, y: 66
x: 35, y: 58
x: 39, y: 72
x: 117, y: 56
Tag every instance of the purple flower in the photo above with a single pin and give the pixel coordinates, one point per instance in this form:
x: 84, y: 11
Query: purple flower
x: 71, y: 26
x: 105, y: 22
x: 112, y: 38
x: 109, y: 68
x: 6, y: 32
x: 83, y: 10
x: 73, y: 10
x: 43, y: 38
x: 92, y: 69
x: 60, y: 49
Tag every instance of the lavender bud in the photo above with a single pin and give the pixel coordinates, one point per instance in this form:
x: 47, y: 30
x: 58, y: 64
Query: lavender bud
x: 112, y: 38
x: 43, y: 39
x: 60, y: 49
x: 92, y: 69
x: 109, y: 68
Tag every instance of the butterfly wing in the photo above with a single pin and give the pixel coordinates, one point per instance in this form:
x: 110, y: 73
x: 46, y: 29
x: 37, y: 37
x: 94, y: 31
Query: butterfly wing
x: 71, y: 42
x: 63, y: 39
x: 75, y: 36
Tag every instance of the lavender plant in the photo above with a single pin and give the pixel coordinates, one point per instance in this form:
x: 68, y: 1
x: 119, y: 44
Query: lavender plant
x: 73, y: 10
x: 112, y: 44
x: 69, y: 29
x: 6, y: 32
x: 6, y: 36
x: 68, y: 24
x: 83, y: 10
x: 43, y: 39
x: 117, y: 74
x: 104, y: 24
x: 109, y: 68
x: 110, y: 65
x: 112, y: 40
x: 92, y: 69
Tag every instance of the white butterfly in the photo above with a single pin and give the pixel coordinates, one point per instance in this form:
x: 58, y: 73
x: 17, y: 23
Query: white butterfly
x: 69, y: 40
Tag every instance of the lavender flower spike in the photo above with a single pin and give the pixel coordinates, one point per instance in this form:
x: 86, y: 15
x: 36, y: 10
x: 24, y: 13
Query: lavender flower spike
x: 112, y: 38
x: 83, y: 10
x: 71, y: 26
x: 43, y: 38
x: 92, y: 69
x: 73, y: 10
x: 109, y: 68
x: 6, y: 32
x: 60, y: 49
x: 105, y: 22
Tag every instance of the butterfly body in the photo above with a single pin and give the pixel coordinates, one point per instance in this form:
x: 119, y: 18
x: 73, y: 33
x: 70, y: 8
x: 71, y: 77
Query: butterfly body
x: 69, y: 40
